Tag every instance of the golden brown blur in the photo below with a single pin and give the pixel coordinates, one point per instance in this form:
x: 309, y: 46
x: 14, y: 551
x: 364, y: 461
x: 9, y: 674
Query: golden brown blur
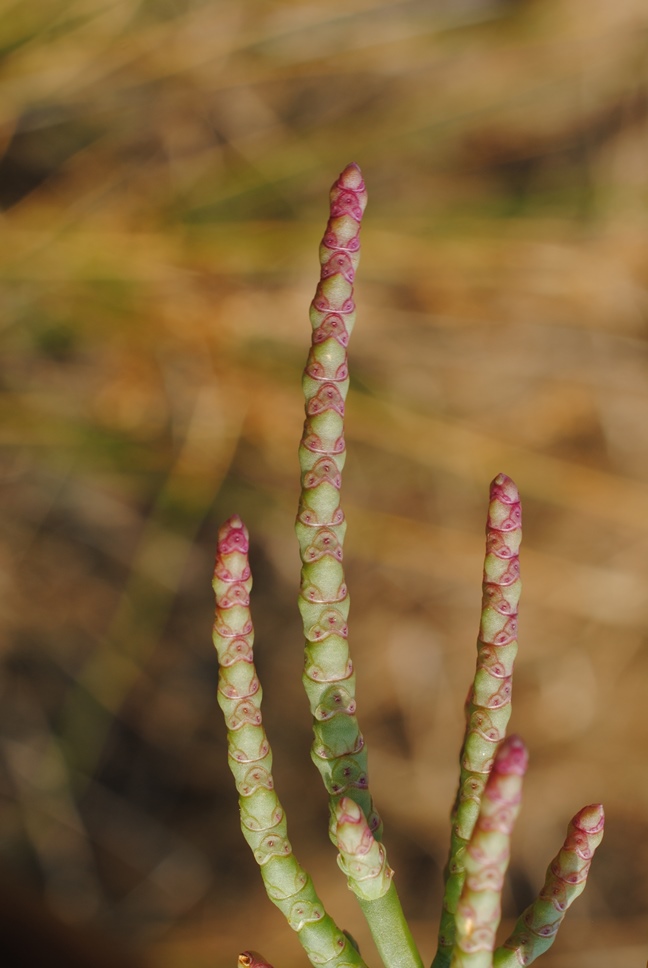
x: 164, y: 177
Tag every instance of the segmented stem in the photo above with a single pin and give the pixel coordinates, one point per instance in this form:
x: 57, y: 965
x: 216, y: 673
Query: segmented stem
x: 329, y: 679
x: 536, y: 928
x: 250, y: 759
x: 487, y: 857
x: 488, y: 707
x: 362, y: 857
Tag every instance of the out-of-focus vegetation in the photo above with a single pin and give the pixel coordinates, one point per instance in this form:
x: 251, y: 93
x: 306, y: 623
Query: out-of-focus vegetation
x: 163, y: 180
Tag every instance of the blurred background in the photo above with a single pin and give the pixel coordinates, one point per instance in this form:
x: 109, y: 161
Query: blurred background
x: 164, y: 173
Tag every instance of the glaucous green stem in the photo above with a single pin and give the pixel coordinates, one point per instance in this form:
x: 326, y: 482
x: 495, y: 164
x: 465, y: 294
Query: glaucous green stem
x: 364, y: 861
x: 329, y: 680
x: 488, y: 707
x: 390, y: 931
x: 536, y: 928
x: 487, y: 857
x: 263, y: 820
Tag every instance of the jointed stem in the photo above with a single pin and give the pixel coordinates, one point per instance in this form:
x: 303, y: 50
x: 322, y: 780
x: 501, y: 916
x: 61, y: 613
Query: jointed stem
x: 250, y: 758
x: 535, y: 930
x: 488, y: 707
x: 338, y: 748
x: 486, y: 859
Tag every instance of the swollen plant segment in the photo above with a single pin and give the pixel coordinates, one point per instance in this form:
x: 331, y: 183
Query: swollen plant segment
x: 492, y: 765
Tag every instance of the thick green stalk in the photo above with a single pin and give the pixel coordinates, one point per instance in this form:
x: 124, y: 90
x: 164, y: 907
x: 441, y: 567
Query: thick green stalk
x: 329, y: 680
x: 250, y: 759
x: 536, y: 928
x: 488, y: 707
x: 369, y: 876
x: 487, y: 857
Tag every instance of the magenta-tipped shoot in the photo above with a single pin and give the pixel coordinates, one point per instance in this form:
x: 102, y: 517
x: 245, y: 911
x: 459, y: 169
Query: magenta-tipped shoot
x: 487, y: 857
x: 263, y: 820
x: 488, y: 706
x: 536, y: 928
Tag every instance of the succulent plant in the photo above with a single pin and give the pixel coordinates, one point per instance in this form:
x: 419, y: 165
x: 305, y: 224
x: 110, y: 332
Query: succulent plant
x: 491, y: 765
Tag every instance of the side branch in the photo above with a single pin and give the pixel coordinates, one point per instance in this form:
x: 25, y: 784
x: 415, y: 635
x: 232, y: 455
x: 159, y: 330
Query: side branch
x: 488, y: 707
x: 487, y: 857
x: 263, y: 820
x: 536, y: 928
x: 369, y: 876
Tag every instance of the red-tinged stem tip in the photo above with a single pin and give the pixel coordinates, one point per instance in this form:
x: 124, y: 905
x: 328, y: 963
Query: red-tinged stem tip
x: 351, y: 178
x: 233, y: 536
x: 348, y: 811
x: 512, y: 757
x: 252, y: 959
x: 348, y: 196
x: 504, y: 489
x: 590, y: 819
x: 352, y: 830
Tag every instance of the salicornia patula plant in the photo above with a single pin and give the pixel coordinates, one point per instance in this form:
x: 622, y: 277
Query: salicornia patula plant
x: 491, y: 765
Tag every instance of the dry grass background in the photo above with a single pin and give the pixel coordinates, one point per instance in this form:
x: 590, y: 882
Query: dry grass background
x: 164, y: 172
